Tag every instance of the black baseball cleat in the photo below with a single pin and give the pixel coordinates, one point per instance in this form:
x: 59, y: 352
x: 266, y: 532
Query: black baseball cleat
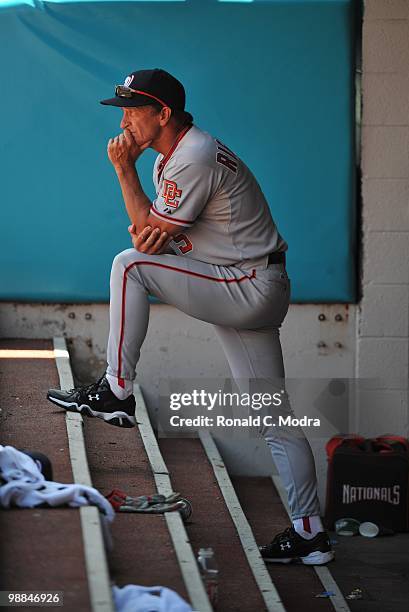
x: 290, y: 546
x: 96, y: 400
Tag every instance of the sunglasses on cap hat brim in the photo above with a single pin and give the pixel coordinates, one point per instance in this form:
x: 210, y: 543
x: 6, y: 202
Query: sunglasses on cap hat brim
x: 126, y: 96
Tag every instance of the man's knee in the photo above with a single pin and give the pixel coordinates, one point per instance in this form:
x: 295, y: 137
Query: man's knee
x: 123, y: 258
x: 121, y: 262
x: 126, y: 264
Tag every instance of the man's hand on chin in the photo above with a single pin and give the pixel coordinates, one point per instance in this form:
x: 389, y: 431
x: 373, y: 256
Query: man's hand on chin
x: 123, y: 150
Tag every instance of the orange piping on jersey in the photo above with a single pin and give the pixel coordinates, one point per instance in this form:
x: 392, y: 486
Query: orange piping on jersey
x: 182, y: 222
x: 159, y: 265
x: 168, y: 155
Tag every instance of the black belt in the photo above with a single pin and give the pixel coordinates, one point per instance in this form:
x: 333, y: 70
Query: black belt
x: 277, y: 257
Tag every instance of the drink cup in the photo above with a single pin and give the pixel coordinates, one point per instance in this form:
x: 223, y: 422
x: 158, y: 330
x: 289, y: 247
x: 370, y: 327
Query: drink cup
x: 347, y: 526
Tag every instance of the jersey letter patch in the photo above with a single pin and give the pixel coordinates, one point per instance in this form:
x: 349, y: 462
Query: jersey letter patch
x: 226, y: 157
x: 227, y: 161
x: 170, y: 193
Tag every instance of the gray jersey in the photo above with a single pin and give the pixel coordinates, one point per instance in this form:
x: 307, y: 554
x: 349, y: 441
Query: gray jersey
x: 210, y: 193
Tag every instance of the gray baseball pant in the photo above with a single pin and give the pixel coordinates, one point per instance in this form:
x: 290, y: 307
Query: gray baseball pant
x: 246, y: 307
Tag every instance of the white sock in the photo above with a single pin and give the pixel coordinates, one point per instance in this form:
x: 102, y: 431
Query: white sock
x: 120, y: 392
x: 308, y: 526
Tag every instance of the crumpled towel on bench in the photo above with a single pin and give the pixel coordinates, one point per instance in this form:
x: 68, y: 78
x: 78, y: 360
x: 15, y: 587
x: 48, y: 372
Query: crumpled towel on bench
x: 134, y: 598
x: 23, y: 485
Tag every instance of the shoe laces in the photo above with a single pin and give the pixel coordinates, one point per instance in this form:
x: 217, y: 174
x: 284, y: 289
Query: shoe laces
x: 90, y: 388
x: 284, y: 535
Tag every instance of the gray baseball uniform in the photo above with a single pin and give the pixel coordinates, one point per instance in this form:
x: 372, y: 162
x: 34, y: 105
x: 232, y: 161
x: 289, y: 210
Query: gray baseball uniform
x: 218, y: 274
x: 211, y: 194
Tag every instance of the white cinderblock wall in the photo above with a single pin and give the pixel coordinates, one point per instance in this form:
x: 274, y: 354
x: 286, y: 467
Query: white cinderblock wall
x: 382, y: 347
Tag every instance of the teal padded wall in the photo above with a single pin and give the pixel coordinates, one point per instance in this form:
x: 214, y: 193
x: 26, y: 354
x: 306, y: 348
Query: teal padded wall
x: 273, y: 80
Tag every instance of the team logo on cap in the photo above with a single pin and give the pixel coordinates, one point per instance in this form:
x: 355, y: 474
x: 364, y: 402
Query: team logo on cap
x: 128, y: 80
x: 170, y: 193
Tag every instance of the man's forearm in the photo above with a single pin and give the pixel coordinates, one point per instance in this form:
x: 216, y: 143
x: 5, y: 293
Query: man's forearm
x: 136, y: 201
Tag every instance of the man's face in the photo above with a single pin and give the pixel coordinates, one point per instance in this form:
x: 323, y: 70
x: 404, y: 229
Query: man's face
x: 143, y: 122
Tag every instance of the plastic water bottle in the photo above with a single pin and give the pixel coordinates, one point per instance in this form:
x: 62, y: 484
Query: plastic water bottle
x: 209, y: 572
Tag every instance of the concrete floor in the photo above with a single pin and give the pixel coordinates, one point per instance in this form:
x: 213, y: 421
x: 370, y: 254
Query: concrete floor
x: 377, y: 566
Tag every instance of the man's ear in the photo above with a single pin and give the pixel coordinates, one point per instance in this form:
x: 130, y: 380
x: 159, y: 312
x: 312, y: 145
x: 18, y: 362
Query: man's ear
x: 165, y: 115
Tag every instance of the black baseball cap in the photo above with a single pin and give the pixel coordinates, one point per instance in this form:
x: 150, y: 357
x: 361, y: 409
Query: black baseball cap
x: 147, y: 87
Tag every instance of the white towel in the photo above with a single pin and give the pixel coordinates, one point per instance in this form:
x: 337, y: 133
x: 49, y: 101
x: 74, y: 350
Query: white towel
x: 134, y: 598
x: 26, y: 487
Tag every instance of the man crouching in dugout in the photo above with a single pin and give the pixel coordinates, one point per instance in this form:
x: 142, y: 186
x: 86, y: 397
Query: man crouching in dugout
x: 208, y: 246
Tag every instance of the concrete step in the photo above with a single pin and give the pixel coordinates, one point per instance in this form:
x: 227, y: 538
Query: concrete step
x: 144, y: 548
x: 143, y: 551
x: 211, y: 524
x: 267, y: 516
x: 41, y: 548
x: 233, y: 515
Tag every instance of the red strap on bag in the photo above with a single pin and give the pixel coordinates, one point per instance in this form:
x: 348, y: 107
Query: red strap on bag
x: 386, y: 443
x: 393, y: 442
x: 347, y: 439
